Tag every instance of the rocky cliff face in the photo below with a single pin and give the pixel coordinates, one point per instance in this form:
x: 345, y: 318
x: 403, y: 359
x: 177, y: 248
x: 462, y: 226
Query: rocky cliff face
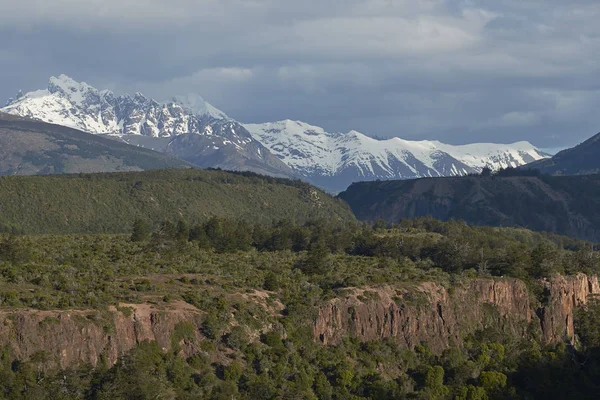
x: 68, y: 338
x: 442, y: 318
x: 564, y: 294
x: 411, y: 315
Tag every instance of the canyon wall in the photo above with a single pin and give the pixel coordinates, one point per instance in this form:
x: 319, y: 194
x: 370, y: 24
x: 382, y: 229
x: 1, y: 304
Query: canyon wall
x: 70, y: 337
x: 564, y: 295
x: 443, y: 317
x: 408, y: 313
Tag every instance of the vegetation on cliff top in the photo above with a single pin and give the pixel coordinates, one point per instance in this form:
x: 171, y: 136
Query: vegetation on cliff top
x: 215, y: 264
x: 98, y: 270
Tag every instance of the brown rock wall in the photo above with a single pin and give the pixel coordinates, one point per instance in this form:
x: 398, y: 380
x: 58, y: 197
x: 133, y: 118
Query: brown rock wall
x: 83, y: 337
x: 427, y: 312
x: 440, y: 317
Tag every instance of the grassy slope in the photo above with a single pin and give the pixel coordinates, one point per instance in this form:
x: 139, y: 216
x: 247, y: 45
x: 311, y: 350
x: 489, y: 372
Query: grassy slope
x: 94, y: 203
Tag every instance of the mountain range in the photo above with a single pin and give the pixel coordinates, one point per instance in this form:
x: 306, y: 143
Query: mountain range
x: 219, y: 142
x: 335, y: 160
x: 191, y: 129
x: 30, y: 147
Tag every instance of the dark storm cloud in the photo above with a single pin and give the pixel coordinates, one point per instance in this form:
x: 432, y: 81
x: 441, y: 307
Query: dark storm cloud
x: 457, y: 71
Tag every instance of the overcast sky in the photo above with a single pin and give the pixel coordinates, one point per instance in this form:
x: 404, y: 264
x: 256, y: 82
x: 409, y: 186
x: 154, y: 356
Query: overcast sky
x: 455, y: 71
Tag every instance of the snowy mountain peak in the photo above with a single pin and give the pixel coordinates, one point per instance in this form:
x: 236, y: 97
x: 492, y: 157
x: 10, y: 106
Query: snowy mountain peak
x: 356, y: 135
x: 75, y: 92
x: 198, y: 106
x: 289, y: 126
x: 65, y: 84
x: 107, y: 93
x: 334, y: 160
x: 81, y: 106
x: 329, y: 159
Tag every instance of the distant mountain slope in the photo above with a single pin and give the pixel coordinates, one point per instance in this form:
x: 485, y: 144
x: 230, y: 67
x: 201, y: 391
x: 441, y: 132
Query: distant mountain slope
x: 285, y: 148
x: 29, y: 147
x: 335, y: 160
x: 225, y: 143
x: 94, y: 203
x: 564, y: 205
x: 579, y: 160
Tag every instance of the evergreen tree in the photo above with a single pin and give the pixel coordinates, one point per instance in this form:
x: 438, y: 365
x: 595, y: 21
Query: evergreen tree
x: 317, y: 258
x: 141, y: 230
x: 183, y: 231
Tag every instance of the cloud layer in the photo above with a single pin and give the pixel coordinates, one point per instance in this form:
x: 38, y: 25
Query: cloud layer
x: 457, y: 71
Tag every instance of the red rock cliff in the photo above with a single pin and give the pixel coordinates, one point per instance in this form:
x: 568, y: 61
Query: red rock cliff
x: 411, y: 315
x: 565, y: 294
x: 82, y: 337
x: 430, y: 313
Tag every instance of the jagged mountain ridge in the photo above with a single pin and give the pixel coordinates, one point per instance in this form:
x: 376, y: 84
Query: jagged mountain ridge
x: 220, y: 143
x: 81, y: 106
x: 286, y: 148
x: 342, y: 158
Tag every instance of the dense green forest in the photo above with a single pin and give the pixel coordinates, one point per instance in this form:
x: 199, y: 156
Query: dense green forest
x: 251, y: 353
x: 110, y: 202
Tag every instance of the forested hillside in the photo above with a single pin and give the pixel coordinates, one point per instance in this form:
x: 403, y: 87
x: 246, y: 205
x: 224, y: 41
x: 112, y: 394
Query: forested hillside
x: 95, y: 203
x: 225, y: 309
x: 560, y: 204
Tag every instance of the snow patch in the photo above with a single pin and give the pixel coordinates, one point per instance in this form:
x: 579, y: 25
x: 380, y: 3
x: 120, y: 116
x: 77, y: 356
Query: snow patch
x: 311, y: 150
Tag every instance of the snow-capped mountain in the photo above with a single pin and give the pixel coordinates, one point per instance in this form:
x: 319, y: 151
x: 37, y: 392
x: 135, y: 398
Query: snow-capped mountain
x: 335, y: 160
x: 81, y: 106
x: 192, y: 129
x: 221, y: 141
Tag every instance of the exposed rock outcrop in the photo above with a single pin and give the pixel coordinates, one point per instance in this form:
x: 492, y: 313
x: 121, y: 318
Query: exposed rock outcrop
x: 410, y: 314
x: 73, y: 337
x: 564, y: 295
x: 442, y: 318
